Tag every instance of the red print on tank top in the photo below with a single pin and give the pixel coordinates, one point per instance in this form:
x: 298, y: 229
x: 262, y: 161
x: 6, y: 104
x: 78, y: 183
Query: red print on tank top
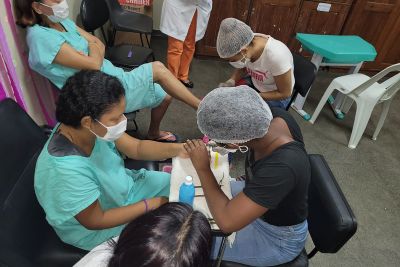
x: 257, y: 75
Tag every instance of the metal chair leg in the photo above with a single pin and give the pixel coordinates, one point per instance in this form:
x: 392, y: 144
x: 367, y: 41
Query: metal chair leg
x: 141, y: 39
x: 147, y: 39
x: 112, y: 39
x: 312, y: 253
x: 221, y: 251
x: 136, y: 126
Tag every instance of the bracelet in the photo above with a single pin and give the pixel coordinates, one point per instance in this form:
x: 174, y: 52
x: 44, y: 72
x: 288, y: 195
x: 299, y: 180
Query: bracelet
x: 145, y: 203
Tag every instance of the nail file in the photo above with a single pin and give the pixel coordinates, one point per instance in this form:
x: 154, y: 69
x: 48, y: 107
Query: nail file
x: 216, y: 161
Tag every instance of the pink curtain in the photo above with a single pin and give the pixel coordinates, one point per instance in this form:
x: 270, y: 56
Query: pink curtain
x: 37, y: 88
x: 8, y: 74
x: 2, y: 91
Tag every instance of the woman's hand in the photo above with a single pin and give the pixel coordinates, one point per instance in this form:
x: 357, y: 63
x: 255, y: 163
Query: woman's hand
x: 228, y: 83
x: 99, y: 43
x: 100, y: 46
x: 198, y: 154
x: 91, y: 38
x: 183, y: 153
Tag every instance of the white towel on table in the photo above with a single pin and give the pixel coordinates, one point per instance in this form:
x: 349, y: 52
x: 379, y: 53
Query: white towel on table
x: 183, y: 167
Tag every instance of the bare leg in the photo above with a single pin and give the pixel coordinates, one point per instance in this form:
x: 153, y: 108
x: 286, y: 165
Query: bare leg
x: 157, y: 115
x: 172, y: 85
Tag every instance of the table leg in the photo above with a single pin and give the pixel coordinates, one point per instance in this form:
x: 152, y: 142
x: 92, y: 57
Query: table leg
x: 298, y: 104
x: 346, y: 105
x: 298, y: 107
x: 342, y: 103
x: 221, y: 252
x: 335, y: 103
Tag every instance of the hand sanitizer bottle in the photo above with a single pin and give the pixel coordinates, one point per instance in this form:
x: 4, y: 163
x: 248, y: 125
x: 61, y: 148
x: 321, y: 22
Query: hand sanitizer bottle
x: 186, y: 191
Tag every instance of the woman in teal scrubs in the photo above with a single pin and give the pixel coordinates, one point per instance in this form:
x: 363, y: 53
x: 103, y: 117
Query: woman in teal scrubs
x: 58, y: 49
x: 80, y: 179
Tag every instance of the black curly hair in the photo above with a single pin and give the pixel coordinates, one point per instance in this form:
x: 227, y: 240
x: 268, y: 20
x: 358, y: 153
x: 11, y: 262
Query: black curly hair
x: 87, y: 93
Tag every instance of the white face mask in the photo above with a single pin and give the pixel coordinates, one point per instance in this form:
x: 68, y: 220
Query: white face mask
x: 60, y: 11
x: 240, y: 64
x: 113, y: 132
x: 223, y: 150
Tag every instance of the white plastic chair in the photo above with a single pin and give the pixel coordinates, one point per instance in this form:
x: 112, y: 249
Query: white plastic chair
x: 366, y: 92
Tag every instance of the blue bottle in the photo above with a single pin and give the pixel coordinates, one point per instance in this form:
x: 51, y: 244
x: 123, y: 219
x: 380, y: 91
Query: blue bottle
x: 186, y: 191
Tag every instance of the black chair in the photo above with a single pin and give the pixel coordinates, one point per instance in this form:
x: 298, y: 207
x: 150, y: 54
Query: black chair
x: 94, y: 14
x: 331, y: 222
x: 304, y: 75
x: 26, y: 239
x: 127, y: 21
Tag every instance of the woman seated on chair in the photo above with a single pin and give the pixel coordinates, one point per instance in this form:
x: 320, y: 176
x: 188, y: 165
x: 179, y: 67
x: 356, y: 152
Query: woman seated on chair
x: 269, y: 209
x: 80, y: 179
x: 58, y: 49
x: 172, y: 235
x: 266, y: 60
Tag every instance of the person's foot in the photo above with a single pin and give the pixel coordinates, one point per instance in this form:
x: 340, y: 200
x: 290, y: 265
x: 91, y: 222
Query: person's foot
x: 166, y: 137
x: 187, y: 83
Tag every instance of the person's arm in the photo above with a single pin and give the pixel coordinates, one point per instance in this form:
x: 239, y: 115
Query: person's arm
x: 284, y: 87
x: 148, y: 150
x: 90, y: 37
x: 230, y: 215
x: 95, y: 218
x: 238, y: 74
x: 69, y: 57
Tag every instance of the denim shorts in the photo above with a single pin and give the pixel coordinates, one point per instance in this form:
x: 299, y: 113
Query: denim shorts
x: 279, y: 103
x: 272, y: 103
x: 263, y: 244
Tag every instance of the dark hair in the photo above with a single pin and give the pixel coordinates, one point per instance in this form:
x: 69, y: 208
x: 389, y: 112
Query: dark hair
x: 173, y: 235
x: 87, y: 93
x: 24, y: 13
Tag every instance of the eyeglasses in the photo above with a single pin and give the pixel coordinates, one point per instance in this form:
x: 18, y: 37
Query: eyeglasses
x: 215, y: 144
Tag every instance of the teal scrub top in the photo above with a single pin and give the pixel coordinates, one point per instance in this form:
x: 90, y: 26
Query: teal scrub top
x: 67, y: 184
x: 44, y: 44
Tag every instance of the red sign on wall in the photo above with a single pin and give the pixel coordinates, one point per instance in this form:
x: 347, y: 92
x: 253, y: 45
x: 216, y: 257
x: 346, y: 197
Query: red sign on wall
x: 136, y: 2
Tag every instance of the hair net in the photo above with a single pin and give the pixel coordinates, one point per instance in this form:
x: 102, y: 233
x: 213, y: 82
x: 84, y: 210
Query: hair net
x: 233, y: 36
x: 233, y: 115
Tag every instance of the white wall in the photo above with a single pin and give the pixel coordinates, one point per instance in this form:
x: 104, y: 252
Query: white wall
x: 157, y: 6
x: 74, y: 7
x: 32, y: 104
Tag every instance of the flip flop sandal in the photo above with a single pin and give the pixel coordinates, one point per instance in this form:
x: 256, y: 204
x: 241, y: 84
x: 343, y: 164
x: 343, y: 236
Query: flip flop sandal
x: 167, y: 137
